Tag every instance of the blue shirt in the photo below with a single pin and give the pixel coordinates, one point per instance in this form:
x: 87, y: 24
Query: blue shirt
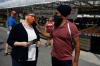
x: 11, y: 22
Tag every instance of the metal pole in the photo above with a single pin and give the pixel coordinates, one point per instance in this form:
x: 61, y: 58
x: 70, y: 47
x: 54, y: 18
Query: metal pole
x: 7, y: 13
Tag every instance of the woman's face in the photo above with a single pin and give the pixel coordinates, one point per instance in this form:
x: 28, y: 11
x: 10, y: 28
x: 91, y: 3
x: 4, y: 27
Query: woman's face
x: 30, y: 19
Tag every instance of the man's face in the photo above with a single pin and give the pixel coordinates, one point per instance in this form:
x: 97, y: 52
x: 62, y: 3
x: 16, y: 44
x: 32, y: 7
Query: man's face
x: 57, y: 19
x: 13, y: 13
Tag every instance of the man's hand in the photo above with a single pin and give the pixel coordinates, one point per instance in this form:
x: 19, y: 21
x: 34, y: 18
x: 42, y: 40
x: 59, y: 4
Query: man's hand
x: 75, y: 64
x: 38, y: 44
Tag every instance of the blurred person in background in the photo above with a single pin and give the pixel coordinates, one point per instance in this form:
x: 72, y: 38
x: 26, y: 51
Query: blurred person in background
x: 48, y: 28
x: 11, y: 22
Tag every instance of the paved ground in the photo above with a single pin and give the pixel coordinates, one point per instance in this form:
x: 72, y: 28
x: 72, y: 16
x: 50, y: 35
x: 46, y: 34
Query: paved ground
x: 86, y: 58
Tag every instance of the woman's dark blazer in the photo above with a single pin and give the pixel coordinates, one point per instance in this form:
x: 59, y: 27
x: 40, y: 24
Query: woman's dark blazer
x: 18, y: 33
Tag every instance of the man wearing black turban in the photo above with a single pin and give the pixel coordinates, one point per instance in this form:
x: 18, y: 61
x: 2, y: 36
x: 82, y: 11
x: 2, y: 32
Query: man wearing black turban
x: 62, y: 35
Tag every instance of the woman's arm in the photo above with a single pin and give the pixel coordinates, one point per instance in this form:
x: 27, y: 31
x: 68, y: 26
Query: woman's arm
x: 12, y: 38
x: 23, y: 44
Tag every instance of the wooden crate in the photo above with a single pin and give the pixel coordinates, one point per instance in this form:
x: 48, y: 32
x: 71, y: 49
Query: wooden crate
x: 85, y: 42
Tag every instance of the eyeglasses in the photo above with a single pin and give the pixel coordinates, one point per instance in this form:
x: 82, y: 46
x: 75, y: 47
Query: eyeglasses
x: 56, y: 13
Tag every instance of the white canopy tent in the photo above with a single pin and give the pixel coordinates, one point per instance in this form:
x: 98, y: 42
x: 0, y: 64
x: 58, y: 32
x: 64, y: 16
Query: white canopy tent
x: 20, y: 3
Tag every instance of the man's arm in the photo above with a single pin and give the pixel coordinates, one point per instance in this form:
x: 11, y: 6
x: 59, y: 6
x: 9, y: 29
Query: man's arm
x: 77, y: 51
x: 45, y: 34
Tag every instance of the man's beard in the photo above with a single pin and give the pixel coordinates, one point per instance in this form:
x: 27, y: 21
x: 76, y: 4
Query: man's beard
x: 57, y: 21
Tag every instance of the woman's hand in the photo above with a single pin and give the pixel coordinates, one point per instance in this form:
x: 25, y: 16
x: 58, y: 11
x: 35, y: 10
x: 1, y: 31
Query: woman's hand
x: 25, y: 44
